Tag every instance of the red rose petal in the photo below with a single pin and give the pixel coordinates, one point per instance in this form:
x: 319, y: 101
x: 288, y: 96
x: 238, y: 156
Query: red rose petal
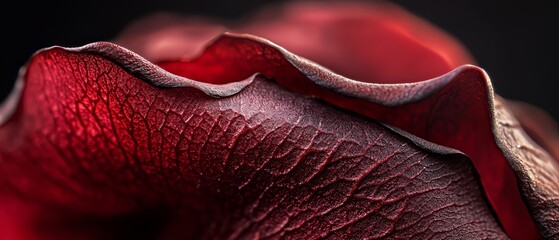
x: 460, y: 102
x: 166, y: 36
x: 377, y: 42
x: 108, y: 155
x: 455, y: 110
x: 382, y: 43
x: 538, y: 124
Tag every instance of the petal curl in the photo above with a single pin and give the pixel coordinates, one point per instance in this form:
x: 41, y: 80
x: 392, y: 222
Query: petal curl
x: 377, y: 42
x: 382, y: 43
x: 483, y: 127
x: 103, y: 152
x: 456, y: 110
x: 538, y: 124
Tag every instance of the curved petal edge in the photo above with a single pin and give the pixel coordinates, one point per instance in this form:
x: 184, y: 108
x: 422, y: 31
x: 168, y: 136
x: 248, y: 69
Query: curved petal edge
x: 457, y: 110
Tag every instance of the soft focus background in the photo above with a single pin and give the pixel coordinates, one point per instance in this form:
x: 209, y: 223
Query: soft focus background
x: 513, y: 42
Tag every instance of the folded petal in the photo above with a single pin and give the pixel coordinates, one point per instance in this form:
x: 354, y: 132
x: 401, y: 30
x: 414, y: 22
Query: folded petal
x: 457, y: 109
x: 97, y: 151
x: 538, y: 125
x: 377, y: 42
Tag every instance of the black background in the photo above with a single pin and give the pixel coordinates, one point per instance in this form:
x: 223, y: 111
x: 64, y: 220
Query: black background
x: 513, y: 42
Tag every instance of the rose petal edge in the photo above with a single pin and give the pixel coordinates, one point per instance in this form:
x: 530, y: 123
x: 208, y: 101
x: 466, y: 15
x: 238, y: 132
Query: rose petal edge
x: 535, y: 191
x: 155, y: 75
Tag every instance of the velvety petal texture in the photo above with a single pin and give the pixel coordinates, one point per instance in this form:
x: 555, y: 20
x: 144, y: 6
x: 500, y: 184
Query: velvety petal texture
x: 239, y: 138
x: 103, y: 145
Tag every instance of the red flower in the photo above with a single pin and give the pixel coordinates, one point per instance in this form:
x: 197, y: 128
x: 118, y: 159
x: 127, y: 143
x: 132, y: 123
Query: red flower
x: 232, y: 136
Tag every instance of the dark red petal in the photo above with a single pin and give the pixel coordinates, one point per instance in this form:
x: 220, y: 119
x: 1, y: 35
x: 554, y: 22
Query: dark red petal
x: 103, y: 153
x: 378, y: 42
x: 538, y: 124
x: 381, y: 43
x: 537, y: 170
x: 165, y: 36
x: 454, y: 110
